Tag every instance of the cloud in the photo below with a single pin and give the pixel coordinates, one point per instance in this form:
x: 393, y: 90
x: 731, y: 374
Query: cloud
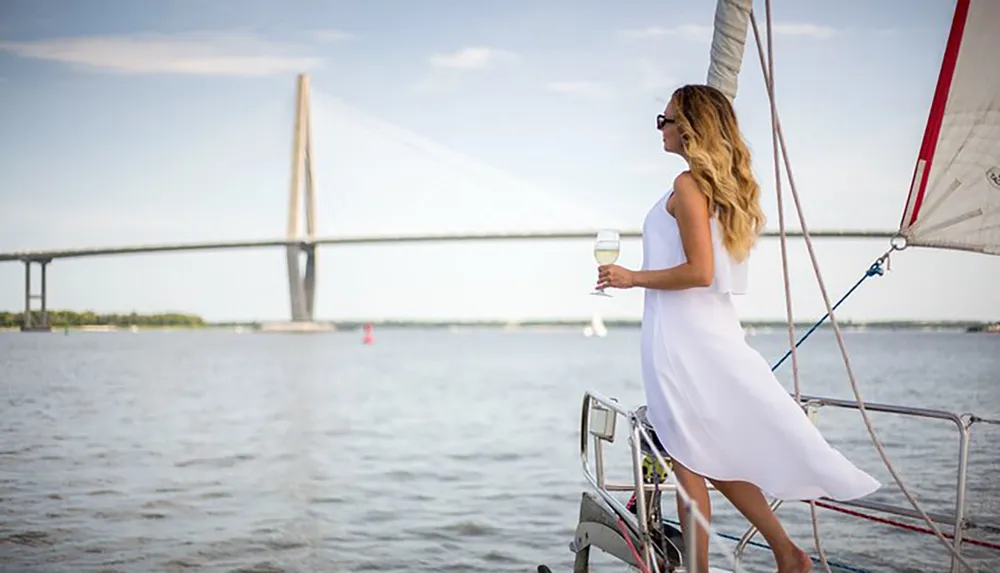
x: 584, y: 89
x: 447, y: 69
x: 207, y: 54
x: 803, y: 29
x: 693, y: 32
x: 703, y: 33
x: 471, y: 58
x: 331, y: 35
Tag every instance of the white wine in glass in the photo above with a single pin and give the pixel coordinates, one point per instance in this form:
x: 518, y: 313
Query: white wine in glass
x: 606, y: 248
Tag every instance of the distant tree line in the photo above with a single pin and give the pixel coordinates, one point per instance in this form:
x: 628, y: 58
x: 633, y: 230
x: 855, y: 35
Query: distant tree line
x: 87, y: 318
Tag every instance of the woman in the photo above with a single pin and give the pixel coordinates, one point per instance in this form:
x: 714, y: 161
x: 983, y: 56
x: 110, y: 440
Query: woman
x: 714, y: 403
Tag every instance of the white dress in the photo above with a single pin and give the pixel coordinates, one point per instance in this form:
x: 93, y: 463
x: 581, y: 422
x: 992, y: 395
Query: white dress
x: 713, y: 401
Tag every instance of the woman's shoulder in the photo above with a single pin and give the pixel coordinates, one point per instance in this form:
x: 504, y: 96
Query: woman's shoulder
x: 687, y: 189
x: 685, y: 179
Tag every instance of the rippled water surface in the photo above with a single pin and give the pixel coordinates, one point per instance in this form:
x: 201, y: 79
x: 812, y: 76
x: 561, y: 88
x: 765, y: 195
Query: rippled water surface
x: 431, y: 450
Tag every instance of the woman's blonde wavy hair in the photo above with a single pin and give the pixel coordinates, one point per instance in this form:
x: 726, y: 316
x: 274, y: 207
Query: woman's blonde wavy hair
x: 720, y: 163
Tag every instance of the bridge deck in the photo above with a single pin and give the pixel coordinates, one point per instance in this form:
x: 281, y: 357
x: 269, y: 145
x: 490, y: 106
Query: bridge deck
x: 50, y: 254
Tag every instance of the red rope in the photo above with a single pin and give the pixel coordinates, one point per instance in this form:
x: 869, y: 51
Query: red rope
x: 916, y: 528
x: 631, y: 546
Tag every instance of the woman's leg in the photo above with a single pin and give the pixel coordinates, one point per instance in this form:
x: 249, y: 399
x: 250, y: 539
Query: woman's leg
x: 749, y: 500
x: 695, y: 487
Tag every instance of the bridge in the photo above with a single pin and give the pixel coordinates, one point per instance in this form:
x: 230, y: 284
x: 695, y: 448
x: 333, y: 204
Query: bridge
x: 302, y: 198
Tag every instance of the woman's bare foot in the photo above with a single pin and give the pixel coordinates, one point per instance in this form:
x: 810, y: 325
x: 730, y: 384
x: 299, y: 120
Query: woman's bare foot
x: 796, y: 561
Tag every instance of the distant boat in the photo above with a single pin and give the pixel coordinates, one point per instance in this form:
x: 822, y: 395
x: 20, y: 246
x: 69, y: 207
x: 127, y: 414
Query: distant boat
x: 987, y: 328
x: 596, y: 327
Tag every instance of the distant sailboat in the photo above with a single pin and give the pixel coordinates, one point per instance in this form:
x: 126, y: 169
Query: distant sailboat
x: 596, y: 326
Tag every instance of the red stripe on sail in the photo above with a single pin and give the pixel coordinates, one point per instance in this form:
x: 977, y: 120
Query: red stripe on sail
x: 936, y: 117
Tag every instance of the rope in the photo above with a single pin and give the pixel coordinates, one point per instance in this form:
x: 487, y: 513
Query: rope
x: 826, y: 300
x: 631, y: 546
x: 876, y: 269
x: 769, y: 80
x: 781, y: 213
x: 759, y: 545
x: 976, y: 419
x: 900, y: 524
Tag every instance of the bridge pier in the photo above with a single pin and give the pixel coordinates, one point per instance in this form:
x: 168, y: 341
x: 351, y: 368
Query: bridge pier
x: 302, y: 286
x: 28, y: 322
x: 309, y: 281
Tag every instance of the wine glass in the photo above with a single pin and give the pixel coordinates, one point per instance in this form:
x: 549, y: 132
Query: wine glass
x: 606, y: 247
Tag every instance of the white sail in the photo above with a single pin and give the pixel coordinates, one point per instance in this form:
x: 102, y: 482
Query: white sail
x: 596, y: 326
x: 728, y: 41
x: 954, y: 199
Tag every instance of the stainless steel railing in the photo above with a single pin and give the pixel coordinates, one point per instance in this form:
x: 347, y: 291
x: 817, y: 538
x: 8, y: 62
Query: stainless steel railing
x: 598, y: 422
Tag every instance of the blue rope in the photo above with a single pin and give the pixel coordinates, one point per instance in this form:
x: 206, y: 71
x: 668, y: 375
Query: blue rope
x: 836, y: 564
x: 875, y: 269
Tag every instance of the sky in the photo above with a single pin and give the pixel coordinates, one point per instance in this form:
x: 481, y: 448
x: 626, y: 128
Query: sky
x: 128, y: 123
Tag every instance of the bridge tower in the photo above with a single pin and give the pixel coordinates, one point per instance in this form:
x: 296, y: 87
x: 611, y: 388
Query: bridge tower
x: 301, y: 201
x: 302, y: 288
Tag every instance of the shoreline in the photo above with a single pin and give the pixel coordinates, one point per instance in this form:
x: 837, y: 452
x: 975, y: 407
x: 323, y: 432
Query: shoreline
x: 352, y: 325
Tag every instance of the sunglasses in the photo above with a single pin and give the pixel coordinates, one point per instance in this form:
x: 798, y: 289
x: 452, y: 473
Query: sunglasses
x: 662, y: 120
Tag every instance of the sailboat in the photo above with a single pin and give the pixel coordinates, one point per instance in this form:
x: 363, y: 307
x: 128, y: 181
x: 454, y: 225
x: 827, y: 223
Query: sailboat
x: 953, y: 202
x: 596, y: 326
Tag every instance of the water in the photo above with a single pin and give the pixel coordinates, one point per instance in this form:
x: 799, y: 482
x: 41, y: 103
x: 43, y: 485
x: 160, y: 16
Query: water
x: 427, y: 451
